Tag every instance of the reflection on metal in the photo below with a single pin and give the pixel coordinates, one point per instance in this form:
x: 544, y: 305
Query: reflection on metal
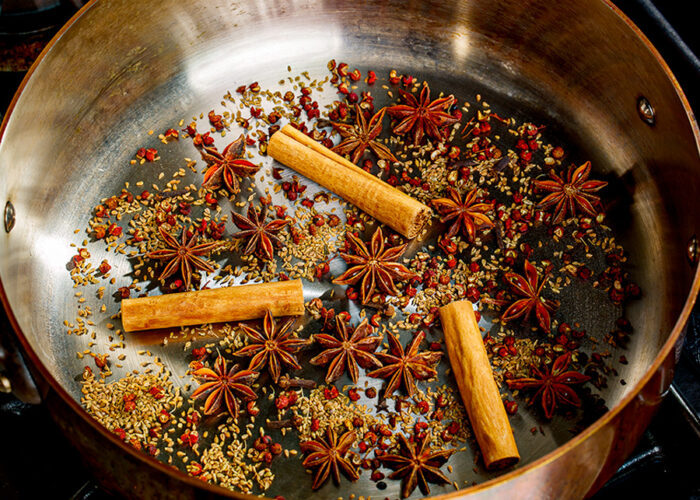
x: 646, y: 110
x: 9, y: 217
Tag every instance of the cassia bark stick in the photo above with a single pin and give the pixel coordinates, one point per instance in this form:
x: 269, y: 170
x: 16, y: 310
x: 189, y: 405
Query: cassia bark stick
x: 385, y: 203
x: 471, y: 367
x: 236, y: 303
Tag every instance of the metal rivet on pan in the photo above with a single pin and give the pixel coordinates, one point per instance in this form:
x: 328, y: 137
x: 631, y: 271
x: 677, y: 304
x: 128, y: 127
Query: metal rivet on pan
x: 646, y: 110
x: 9, y: 217
x: 693, y: 250
x: 5, y: 385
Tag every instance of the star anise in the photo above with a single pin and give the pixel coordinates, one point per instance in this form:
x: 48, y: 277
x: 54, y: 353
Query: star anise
x: 527, y: 287
x: 227, y: 166
x: 272, y: 346
x: 404, y: 367
x: 329, y: 457
x: 572, y: 194
x: 344, y: 349
x: 422, y: 116
x: 224, y: 387
x: 358, y: 136
x: 465, y: 214
x: 184, y: 256
x: 417, y: 464
x: 261, y: 235
x: 376, y: 267
x: 553, y: 385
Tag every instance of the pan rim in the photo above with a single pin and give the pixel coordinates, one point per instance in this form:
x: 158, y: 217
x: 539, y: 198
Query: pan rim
x: 553, y: 455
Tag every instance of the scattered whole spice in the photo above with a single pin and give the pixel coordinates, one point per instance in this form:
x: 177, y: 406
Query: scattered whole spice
x: 574, y: 193
x: 272, y: 346
x: 184, y: 256
x: 260, y: 236
x: 465, y: 214
x: 403, y: 367
x: 483, y: 176
x: 375, y: 267
x: 553, y: 384
x: 527, y: 286
x: 227, y: 167
x: 361, y: 135
x: 330, y: 456
x: 416, y: 464
x: 224, y: 387
x: 347, y: 350
x: 422, y: 116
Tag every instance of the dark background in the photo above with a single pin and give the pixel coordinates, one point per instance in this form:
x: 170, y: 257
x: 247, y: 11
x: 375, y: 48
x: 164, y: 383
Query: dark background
x: 36, y: 461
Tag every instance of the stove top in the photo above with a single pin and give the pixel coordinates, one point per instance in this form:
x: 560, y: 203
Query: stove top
x: 659, y: 467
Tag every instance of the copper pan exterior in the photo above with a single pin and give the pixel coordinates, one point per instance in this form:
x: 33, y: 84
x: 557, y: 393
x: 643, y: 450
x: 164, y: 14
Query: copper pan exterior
x: 581, y: 65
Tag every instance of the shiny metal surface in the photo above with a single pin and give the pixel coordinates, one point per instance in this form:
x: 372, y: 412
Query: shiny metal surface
x: 88, y: 104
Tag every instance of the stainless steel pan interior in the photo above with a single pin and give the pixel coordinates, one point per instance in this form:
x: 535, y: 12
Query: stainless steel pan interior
x: 123, y: 69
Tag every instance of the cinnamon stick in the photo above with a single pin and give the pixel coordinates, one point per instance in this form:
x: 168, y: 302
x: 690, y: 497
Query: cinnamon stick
x: 369, y: 193
x: 479, y: 391
x: 237, y: 303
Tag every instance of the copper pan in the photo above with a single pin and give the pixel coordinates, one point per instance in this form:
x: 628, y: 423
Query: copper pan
x: 119, y: 68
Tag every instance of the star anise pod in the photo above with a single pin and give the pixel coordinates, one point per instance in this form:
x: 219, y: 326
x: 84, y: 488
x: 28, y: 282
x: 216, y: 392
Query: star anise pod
x: 226, y: 167
x: 358, y: 136
x: 329, y: 457
x: 184, y: 256
x: 404, y: 367
x: 527, y: 287
x: 261, y: 236
x: 553, y: 385
x: 273, y: 346
x: 422, y: 116
x: 375, y: 266
x: 347, y: 350
x: 417, y: 464
x: 224, y: 387
x: 465, y: 214
x: 574, y: 193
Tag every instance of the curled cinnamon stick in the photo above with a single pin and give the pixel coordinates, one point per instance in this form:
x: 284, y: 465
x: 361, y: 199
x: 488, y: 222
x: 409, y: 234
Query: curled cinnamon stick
x: 479, y: 391
x: 369, y: 193
x: 237, y: 303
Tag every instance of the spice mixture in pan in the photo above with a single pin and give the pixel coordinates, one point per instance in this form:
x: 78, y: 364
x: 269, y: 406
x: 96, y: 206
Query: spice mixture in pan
x: 360, y: 385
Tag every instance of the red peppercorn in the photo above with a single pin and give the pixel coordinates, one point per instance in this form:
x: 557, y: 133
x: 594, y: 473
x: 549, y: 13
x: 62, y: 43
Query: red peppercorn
x: 353, y: 394
x: 252, y: 409
x: 282, y: 402
x: 330, y: 393
x: 377, y: 476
